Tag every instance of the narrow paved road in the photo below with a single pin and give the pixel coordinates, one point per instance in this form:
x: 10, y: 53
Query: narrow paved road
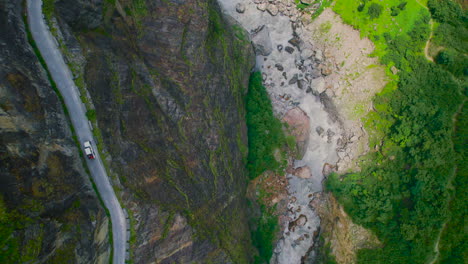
x: 63, y: 78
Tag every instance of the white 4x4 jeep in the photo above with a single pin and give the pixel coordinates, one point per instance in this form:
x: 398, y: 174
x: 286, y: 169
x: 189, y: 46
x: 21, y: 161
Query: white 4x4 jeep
x: 89, y: 151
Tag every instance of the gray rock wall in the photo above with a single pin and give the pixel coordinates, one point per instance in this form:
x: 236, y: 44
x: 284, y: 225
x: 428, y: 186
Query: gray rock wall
x: 167, y: 79
x: 49, y: 211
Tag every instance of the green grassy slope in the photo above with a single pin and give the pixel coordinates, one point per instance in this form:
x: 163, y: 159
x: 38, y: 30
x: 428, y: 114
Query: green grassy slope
x: 403, y: 192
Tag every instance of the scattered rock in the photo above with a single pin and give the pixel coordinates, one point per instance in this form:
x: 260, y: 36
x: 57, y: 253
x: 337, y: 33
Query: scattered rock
x: 295, y: 41
x: 262, y: 6
x: 261, y: 40
x: 289, y: 49
x: 301, y: 84
x: 330, y: 93
x: 302, y: 172
x: 327, y: 70
x: 306, y: 53
x: 285, y: 76
x: 340, y: 143
x: 279, y: 47
x: 319, y: 130
x: 315, y: 73
x: 293, y: 79
x: 309, y: 90
x: 240, y: 8
x: 279, y: 67
x: 272, y: 9
x: 318, y: 85
x: 300, y: 221
x: 318, y: 55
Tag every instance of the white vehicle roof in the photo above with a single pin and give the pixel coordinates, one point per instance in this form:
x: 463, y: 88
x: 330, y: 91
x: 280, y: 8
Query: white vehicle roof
x: 88, y: 151
x: 87, y: 144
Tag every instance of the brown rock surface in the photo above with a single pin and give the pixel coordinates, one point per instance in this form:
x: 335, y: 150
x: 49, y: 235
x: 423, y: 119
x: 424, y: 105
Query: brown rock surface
x: 299, y: 127
x: 344, y: 236
x: 302, y: 172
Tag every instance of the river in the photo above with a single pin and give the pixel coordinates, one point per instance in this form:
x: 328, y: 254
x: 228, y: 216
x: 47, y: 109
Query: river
x: 280, y: 69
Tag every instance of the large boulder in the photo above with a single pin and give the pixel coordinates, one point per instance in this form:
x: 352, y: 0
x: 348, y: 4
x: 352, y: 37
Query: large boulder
x: 299, y: 127
x: 318, y: 85
x: 262, y: 41
x: 303, y: 172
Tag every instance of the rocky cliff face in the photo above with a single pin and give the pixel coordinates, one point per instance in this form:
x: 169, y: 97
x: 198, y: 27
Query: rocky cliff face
x: 343, y: 237
x: 167, y: 80
x: 49, y: 212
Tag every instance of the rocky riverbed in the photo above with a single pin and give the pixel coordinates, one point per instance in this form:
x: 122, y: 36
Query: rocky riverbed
x: 306, y: 70
x: 293, y: 75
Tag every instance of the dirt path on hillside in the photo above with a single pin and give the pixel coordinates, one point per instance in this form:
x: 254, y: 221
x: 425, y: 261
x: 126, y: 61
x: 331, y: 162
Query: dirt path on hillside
x: 449, y: 184
x: 428, y: 42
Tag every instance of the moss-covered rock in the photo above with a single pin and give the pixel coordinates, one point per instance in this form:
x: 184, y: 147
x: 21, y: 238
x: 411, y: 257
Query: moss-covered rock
x: 48, y: 209
x: 168, y: 79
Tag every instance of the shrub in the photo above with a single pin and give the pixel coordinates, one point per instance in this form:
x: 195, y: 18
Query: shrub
x: 402, y: 6
x: 444, y: 57
x: 361, y: 6
x: 263, y: 236
x: 91, y: 115
x: 395, y: 11
x: 375, y: 10
x: 265, y: 131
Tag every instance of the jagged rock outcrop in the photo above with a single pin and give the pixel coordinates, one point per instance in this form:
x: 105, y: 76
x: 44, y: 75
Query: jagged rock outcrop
x: 167, y: 79
x: 49, y: 212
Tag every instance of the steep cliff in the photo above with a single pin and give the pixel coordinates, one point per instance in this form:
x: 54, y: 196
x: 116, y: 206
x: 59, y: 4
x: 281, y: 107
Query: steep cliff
x: 167, y: 81
x: 49, y: 212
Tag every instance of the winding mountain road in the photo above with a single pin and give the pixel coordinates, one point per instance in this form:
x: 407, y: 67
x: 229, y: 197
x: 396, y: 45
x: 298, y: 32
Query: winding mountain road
x: 63, y: 78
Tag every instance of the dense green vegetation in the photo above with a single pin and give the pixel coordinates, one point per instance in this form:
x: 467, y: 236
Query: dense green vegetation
x: 265, y: 131
x: 48, y: 9
x: 404, y: 192
x: 9, y: 244
x: 267, y: 145
x: 450, y: 36
x: 358, y: 14
x: 263, y: 236
x: 453, y: 247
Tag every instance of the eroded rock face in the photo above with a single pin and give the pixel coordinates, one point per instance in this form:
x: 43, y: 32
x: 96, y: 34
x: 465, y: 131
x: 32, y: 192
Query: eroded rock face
x: 299, y: 125
x: 167, y: 80
x: 47, y: 204
x: 344, y: 236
